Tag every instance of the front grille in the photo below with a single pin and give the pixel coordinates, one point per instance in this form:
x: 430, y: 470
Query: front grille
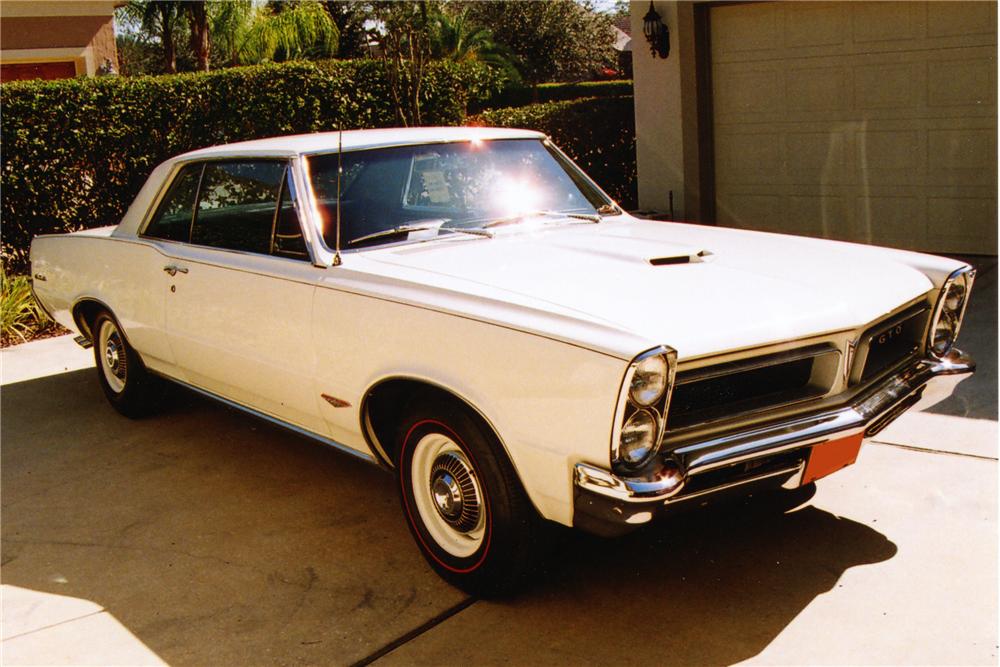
x: 889, y: 342
x: 704, y: 394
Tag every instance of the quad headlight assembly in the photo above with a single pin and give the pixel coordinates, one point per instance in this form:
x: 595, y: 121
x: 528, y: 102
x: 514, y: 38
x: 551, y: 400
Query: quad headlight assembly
x: 642, y: 409
x: 949, y: 311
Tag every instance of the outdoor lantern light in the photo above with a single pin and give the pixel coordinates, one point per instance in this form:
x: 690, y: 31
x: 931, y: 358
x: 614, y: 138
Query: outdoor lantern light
x: 656, y: 33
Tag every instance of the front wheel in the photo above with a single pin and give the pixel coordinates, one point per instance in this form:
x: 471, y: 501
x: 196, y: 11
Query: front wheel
x: 463, y: 502
x: 122, y: 376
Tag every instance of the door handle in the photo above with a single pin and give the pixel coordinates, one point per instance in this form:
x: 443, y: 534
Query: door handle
x: 174, y: 270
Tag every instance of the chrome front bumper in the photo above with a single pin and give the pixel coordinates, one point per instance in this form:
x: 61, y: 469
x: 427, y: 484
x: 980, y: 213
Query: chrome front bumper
x: 920, y: 384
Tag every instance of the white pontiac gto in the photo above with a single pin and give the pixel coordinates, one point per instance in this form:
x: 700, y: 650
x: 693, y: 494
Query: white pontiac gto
x: 465, y: 307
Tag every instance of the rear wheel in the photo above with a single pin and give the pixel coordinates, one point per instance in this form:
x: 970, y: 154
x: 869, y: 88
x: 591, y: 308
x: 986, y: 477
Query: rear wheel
x: 463, y: 501
x: 122, y: 376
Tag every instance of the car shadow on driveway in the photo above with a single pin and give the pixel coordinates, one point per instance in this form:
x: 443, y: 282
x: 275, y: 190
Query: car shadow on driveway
x: 218, y: 539
x: 711, y: 586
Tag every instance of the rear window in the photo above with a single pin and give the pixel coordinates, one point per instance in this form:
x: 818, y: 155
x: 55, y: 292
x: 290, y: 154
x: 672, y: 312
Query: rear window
x: 173, y: 219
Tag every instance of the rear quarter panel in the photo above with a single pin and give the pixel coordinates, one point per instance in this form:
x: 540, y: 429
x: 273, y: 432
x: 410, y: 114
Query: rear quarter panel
x: 124, y: 275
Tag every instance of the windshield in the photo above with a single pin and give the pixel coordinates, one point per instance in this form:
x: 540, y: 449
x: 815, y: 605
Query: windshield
x: 412, y: 192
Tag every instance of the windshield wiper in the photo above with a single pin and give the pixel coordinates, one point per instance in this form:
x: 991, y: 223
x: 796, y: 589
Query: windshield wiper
x: 519, y: 217
x: 406, y: 229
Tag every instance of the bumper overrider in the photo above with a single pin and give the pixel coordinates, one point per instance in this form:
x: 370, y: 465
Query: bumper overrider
x: 773, y: 453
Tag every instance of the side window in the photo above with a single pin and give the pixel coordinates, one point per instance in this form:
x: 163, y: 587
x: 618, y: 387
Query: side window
x: 173, y: 219
x: 236, y: 209
x: 288, y: 241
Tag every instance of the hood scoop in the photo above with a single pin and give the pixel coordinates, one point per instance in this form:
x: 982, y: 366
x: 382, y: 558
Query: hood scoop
x: 695, y: 258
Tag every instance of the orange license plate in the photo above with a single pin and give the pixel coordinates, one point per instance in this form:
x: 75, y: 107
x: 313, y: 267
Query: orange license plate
x: 831, y: 456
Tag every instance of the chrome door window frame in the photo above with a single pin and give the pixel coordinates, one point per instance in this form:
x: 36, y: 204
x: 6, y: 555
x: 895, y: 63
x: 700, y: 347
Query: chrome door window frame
x: 291, y: 175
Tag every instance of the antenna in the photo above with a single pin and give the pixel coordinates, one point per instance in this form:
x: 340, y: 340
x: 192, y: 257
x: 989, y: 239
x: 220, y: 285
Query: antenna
x: 340, y: 170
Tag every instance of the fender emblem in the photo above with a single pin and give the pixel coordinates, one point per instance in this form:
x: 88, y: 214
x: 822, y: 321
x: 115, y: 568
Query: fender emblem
x: 335, y: 402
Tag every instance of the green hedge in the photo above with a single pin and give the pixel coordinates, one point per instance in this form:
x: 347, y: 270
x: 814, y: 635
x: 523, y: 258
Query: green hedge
x: 598, y: 133
x: 76, y: 151
x: 517, y: 96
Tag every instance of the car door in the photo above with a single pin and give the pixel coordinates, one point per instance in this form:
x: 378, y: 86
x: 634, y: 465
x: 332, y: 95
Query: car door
x: 239, y: 303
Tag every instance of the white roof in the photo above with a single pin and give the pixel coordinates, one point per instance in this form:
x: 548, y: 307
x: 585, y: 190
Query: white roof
x: 319, y: 142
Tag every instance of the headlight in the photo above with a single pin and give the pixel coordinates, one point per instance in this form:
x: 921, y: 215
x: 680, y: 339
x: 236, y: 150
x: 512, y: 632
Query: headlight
x: 649, y: 380
x: 642, y: 409
x: 944, y: 333
x: 638, y: 439
x: 950, y: 310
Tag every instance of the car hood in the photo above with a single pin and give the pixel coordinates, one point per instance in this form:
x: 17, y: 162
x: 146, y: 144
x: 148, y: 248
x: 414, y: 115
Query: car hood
x: 702, y: 290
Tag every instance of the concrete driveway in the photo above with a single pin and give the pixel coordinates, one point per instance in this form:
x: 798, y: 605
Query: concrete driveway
x: 201, y: 536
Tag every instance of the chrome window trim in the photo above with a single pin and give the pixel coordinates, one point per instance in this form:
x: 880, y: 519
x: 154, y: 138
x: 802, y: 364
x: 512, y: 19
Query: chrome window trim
x: 168, y: 181
x: 245, y: 253
x: 401, y: 144
x: 161, y: 193
x: 569, y: 163
x: 194, y: 204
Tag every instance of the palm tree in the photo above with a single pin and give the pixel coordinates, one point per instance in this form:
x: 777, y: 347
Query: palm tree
x: 249, y: 33
x: 197, y: 16
x: 454, y: 37
x: 161, y: 18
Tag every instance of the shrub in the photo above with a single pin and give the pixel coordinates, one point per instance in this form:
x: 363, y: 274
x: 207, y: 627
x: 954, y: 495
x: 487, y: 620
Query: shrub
x: 517, y: 96
x: 76, y: 151
x: 597, y: 133
x: 20, y: 314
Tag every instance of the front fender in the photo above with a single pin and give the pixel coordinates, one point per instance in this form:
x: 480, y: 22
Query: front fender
x: 551, y: 403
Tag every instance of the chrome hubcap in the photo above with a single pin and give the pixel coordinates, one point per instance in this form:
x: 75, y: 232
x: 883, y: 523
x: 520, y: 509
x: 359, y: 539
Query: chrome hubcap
x: 447, y: 494
x: 453, y: 489
x: 111, y: 355
x: 115, y: 364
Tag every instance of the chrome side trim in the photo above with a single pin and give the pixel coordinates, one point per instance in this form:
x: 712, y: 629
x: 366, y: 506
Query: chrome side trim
x: 274, y: 420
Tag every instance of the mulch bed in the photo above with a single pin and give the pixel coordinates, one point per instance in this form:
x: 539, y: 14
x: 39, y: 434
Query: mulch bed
x: 48, y: 331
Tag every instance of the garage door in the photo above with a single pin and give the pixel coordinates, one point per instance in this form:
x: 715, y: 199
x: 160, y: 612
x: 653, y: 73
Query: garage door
x: 25, y: 71
x: 872, y: 122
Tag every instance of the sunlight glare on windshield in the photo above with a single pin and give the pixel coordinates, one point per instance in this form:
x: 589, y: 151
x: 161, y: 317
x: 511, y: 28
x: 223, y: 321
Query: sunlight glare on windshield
x: 514, y: 196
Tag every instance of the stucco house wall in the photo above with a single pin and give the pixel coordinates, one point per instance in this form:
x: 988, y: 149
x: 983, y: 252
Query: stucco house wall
x: 864, y: 121
x: 45, y: 37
